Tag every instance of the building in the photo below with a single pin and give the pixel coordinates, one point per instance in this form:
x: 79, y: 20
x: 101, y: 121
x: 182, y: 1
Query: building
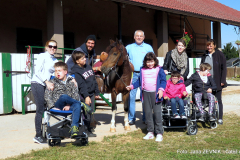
x: 69, y: 22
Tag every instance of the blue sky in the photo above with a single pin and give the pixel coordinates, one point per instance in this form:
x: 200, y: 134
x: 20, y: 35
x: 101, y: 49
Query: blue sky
x: 227, y: 31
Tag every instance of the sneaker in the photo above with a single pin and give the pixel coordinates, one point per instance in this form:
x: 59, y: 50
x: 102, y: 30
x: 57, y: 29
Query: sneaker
x: 87, y: 108
x: 149, y: 136
x: 40, y: 140
x: 90, y: 134
x: 184, y: 117
x: 131, y: 123
x: 176, y: 116
x: 211, y: 118
x: 74, y: 131
x: 220, y: 121
x: 159, y: 138
x: 201, y: 118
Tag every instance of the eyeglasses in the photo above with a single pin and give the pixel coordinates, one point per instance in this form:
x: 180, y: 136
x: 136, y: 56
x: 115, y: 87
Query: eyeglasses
x: 50, y: 46
x: 175, y: 79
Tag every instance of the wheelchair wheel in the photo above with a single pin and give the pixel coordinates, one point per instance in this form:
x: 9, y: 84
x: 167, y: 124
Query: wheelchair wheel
x: 84, y: 141
x: 192, y: 129
x: 213, y: 125
x: 54, y: 142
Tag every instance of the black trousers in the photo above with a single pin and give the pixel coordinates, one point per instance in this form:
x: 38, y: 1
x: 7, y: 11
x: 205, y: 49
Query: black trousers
x: 38, y: 93
x: 218, y: 95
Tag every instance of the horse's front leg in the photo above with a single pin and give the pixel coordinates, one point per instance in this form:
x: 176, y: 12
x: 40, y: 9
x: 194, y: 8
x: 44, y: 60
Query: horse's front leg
x: 126, y: 108
x: 114, y: 108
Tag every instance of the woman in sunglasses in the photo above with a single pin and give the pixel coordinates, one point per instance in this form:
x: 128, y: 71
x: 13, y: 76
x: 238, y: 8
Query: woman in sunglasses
x: 40, y: 80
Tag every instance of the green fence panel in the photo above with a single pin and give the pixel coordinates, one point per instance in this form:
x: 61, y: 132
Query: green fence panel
x: 7, y: 83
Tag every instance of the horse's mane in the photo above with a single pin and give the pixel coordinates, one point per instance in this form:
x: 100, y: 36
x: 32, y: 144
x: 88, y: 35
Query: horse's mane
x: 114, y: 44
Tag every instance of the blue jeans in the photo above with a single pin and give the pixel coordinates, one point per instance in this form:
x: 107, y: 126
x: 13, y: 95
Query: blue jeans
x: 75, y: 107
x: 132, y: 98
x: 180, y: 102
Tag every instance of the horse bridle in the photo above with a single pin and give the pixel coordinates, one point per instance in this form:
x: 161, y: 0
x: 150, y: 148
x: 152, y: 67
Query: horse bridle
x: 115, y: 66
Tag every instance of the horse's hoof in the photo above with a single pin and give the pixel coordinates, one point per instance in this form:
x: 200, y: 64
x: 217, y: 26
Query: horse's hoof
x: 127, y: 128
x: 112, y: 130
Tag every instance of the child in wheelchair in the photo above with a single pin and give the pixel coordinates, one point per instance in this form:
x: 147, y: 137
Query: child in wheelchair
x: 203, y: 84
x: 174, y: 92
x: 65, y: 97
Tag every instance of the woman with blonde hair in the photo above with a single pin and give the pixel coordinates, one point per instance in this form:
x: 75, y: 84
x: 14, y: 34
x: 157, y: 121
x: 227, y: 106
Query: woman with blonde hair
x: 40, y: 80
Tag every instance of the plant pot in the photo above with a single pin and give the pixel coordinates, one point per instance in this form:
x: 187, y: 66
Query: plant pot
x: 237, y: 43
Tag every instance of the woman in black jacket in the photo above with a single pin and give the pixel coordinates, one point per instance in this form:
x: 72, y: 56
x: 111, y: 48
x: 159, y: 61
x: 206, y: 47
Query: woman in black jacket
x: 219, y: 71
x: 177, y: 60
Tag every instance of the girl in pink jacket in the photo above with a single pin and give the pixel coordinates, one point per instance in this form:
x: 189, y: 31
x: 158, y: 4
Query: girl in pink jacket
x: 175, y: 90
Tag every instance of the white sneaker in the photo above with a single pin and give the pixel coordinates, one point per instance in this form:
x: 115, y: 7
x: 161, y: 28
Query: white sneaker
x: 159, y: 138
x: 184, y: 117
x: 149, y: 136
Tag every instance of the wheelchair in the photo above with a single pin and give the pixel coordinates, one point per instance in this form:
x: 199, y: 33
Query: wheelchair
x: 61, y: 129
x: 205, y: 103
x: 170, y: 122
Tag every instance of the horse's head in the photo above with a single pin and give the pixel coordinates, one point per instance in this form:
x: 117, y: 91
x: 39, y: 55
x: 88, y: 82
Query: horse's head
x: 117, y: 54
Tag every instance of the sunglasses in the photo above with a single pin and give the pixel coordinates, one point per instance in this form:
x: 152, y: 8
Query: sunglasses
x: 50, y: 46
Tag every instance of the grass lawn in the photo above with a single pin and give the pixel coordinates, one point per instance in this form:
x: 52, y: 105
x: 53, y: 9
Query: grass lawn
x: 220, y: 143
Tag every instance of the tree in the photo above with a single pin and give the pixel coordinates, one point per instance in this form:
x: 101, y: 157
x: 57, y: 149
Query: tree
x: 230, y: 51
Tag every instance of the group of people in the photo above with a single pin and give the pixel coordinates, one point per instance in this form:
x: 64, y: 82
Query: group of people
x: 65, y: 92
x: 151, y: 78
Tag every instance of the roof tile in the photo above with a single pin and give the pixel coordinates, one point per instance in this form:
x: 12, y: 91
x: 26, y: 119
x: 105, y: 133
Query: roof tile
x: 208, y: 8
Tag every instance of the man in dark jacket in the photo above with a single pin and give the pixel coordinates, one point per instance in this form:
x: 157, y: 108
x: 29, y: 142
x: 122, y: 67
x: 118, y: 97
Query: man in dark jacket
x: 88, y: 49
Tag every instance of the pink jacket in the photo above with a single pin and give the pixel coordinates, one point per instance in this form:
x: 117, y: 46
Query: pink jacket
x: 174, y: 90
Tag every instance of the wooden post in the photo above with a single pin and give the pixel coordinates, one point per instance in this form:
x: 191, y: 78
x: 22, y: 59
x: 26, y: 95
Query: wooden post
x: 235, y: 71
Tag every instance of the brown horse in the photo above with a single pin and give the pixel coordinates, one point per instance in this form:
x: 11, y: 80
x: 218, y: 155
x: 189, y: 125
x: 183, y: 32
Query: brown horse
x: 118, y: 73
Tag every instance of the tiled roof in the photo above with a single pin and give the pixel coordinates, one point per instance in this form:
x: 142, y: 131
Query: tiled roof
x: 208, y: 8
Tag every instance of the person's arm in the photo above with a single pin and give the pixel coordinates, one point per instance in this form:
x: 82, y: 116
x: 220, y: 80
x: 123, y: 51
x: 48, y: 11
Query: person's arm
x: 167, y: 61
x: 162, y: 78
x: 48, y: 96
x: 223, y: 70
x: 212, y: 82
x: 184, y: 91
x: 186, y: 71
x: 188, y: 81
x: 40, y: 70
x: 82, y: 86
x: 75, y: 94
x: 137, y: 83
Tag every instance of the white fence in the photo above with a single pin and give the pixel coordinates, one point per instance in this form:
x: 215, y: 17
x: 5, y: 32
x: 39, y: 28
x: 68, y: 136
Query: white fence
x: 19, y: 64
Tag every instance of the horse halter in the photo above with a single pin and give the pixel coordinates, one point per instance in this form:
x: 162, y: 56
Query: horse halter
x: 115, y: 66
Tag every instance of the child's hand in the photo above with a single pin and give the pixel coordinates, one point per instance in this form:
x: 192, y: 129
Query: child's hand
x: 97, y: 96
x: 209, y: 90
x: 74, y: 81
x: 88, y: 100
x: 166, y: 97
x: 128, y: 88
x: 184, y: 93
x: 66, y: 108
x: 166, y: 72
x: 160, y: 94
x: 50, y: 86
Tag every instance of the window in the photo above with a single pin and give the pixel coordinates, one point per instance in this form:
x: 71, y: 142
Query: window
x: 29, y: 36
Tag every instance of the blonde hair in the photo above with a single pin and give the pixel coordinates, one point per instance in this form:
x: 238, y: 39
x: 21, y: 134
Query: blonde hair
x: 205, y: 66
x: 47, y: 43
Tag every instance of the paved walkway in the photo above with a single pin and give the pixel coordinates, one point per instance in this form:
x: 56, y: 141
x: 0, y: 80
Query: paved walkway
x: 17, y: 130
